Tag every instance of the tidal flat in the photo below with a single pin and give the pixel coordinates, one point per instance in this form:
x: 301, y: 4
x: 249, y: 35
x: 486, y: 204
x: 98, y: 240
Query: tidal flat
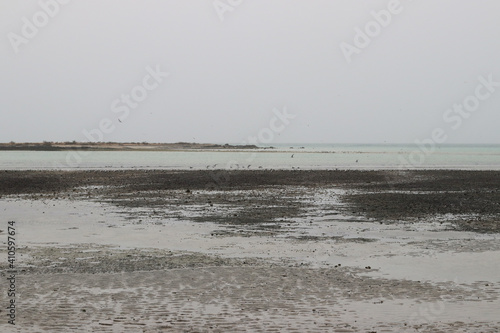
x: 254, y: 250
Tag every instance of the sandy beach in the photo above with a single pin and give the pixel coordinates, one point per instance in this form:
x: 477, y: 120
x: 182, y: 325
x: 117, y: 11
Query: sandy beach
x: 253, y: 251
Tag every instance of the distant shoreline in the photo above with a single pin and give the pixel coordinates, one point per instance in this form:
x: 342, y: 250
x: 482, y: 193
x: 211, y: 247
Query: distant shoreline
x: 118, y: 146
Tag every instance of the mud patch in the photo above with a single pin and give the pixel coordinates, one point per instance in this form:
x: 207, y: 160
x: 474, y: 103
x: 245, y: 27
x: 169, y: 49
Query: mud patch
x: 91, y: 258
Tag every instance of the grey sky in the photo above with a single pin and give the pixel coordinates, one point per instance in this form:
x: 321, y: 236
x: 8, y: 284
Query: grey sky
x: 226, y: 76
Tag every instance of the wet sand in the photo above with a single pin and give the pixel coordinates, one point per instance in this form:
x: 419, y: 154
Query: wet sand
x: 228, y: 251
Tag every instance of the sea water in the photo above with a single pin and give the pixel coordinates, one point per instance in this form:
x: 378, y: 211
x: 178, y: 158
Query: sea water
x: 283, y: 156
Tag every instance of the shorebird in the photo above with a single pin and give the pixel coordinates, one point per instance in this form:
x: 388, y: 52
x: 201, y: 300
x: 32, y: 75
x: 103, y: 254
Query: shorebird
x: 292, y: 155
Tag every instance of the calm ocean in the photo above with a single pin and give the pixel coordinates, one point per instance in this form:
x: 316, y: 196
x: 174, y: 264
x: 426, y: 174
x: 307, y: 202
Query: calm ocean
x: 289, y: 156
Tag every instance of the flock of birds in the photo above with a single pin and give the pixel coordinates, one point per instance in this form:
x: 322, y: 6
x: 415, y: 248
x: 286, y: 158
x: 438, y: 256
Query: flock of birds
x: 237, y: 166
x: 248, y: 166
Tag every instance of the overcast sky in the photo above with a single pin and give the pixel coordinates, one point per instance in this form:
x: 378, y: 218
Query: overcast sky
x: 69, y: 68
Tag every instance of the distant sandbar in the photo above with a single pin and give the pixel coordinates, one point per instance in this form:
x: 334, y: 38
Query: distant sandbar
x: 118, y: 146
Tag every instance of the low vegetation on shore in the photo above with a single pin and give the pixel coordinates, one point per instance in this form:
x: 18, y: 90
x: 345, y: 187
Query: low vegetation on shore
x: 74, y: 145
